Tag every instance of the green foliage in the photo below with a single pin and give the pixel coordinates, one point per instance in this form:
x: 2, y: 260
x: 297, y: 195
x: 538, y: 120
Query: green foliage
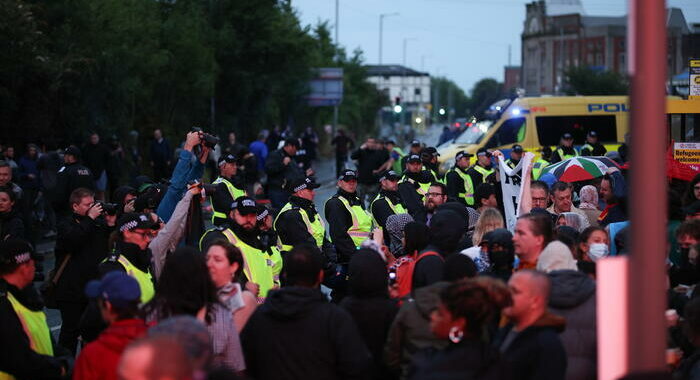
x: 485, y: 92
x: 118, y: 65
x: 586, y: 81
x: 442, y: 87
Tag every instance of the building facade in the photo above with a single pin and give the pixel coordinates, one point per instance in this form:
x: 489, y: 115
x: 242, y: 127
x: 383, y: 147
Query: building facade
x: 410, y: 86
x: 551, y: 43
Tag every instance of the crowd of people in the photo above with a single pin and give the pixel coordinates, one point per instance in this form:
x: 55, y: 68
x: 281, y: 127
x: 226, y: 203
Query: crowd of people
x: 405, y: 273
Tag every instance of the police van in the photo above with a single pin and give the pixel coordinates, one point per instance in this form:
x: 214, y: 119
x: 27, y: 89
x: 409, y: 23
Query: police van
x: 537, y: 122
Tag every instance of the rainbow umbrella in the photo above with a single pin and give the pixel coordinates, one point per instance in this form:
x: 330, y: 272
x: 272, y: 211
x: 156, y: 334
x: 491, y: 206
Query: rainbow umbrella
x: 580, y: 168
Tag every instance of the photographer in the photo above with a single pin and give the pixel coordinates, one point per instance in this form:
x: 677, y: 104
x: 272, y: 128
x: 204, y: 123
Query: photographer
x: 82, y: 244
x: 188, y: 168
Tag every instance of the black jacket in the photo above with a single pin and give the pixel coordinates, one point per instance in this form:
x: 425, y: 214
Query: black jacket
x: 339, y: 221
x: 86, y: 241
x: 468, y: 359
x: 69, y: 178
x: 555, y: 154
x: 409, y: 193
x: 370, y: 306
x: 369, y: 160
x: 297, y: 334
x: 16, y: 355
x: 221, y: 199
x: 573, y: 297
x: 478, y: 179
x: 95, y: 157
x: 455, y: 185
x: 278, y: 174
x: 141, y: 259
x: 536, y: 353
x: 381, y: 210
x: 292, y: 230
x: 11, y: 225
x: 598, y: 150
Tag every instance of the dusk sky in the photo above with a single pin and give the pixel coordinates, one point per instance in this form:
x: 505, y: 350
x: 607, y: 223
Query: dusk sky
x: 465, y: 40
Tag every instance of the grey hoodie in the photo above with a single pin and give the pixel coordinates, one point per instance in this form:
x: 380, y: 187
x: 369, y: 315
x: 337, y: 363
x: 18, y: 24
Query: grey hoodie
x: 573, y: 297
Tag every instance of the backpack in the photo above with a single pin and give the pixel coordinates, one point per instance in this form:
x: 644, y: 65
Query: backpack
x: 401, y: 272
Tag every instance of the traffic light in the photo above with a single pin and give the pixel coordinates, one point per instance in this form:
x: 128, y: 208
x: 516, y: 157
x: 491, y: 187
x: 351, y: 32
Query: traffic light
x: 397, y: 105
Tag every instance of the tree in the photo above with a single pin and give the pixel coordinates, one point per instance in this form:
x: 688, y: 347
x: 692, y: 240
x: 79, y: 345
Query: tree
x: 484, y: 93
x: 442, y: 87
x: 584, y: 80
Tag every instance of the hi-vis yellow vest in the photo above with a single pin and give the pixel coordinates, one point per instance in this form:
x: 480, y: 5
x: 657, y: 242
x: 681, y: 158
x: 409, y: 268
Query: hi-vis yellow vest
x: 144, y: 279
x: 317, y: 229
x: 537, y: 168
x: 361, y: 222
x: 566, y: 156
x: 422, y: 189
x: 468, y: 194
x: 396, y: 208
x: 233, y: 190
x: 34, y: 325
x: 258, y: 266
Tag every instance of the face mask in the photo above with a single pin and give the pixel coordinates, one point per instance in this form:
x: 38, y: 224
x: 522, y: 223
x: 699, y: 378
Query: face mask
x: 597, y: 251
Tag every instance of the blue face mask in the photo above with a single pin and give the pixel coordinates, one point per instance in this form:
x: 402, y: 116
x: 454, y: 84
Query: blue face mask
x: 597, y: 251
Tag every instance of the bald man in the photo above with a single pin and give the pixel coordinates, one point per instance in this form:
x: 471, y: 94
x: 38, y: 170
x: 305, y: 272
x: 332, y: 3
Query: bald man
x: 530, y: 342
x: 155, y: 358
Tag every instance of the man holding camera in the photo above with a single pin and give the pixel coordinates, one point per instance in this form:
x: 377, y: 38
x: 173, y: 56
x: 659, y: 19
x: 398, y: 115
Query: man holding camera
x: 81, y: 244
x: 228, y: 187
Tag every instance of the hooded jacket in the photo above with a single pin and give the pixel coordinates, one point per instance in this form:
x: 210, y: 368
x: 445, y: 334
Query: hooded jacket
x: 11, y: 225
x: 573, y: 297
x: 536, y: 353
x: 99, y: 359
x: 410, y: 330
x: 369, y: 304
x: 297, y: 334
x: 446, y: 230
x: 466, y: 360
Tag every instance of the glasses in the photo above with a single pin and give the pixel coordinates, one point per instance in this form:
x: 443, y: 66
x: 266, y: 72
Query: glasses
x: 435, y: 195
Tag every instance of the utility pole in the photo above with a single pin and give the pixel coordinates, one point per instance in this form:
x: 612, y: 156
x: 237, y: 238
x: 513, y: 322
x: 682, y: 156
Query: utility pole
x: 337, y: 5
x: 381, y: 32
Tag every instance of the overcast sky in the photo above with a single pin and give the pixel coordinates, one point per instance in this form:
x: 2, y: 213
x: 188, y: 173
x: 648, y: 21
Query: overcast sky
x: 465, y: 40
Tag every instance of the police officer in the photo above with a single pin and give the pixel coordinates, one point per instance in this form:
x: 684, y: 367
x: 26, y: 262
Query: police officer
x: 228, y: 187
x: 28, y: 351
x: 348, y: 222
x: 413, y: 186
x: 396, y: 154
x: 71, y: 176
x: 269, y: 241
x: 298, y: 222
x: 388, y: 201
x: 565, y: 150
x: 541, y: 162
x: 480, y: 173
x: 516, y: 154
x: 457, y: 180
x: 241, y: 230
x: 429, y: 156
x: 131, y: 253
x: 416, y: 148
x: 592, y: 146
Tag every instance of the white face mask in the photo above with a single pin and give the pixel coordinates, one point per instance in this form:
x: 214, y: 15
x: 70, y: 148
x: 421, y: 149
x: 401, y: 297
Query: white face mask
x: 597, y: 251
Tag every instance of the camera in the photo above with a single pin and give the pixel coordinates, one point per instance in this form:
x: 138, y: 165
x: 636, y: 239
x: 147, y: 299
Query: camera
x: 208, y: 140
x: 149, y: 198
x: 108, y: 208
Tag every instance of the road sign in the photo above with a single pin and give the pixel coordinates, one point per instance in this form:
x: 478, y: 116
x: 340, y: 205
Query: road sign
x: 694, y: 67
x: 326, y: 89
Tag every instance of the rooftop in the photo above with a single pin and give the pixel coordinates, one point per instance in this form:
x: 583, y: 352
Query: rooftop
x: 392, y: 70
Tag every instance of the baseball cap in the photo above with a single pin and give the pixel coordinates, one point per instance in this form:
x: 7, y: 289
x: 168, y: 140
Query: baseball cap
x: 462, y: 154
x: 228, y: 158
x: 117, y: 287
x: 301, y: 184
x: 73, y: 151
x: 390, y: 175
x: 261, y: 213
x: 348, y: 175
x: 414, y: 158
x: 567, y: 136
x: 293, y: 142
x: 517, y: 148
x: 592, y: 134
x: 415, y: 143
x: 15, y: 251
x: 431, y: 150
x: 389, y: 141
x: 483, y: 152
x: 133, y: 220
x: 245, y: 205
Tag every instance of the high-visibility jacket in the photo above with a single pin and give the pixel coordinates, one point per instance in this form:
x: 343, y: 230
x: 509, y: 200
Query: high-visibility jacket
x: 468, y: 194
x: 361, y: 222
x: 317, y: 229
x: 396, y: 208
x: 397, y: 164
x: 422, y: 187
x: 537, y: 168
x: 233, y: 190
x: 258, y: 266
x: 35, y: 327
x: 563, y: 156
x: 144, y: 279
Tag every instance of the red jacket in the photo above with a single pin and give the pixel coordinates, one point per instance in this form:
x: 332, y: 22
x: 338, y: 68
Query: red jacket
x: 99, y: 359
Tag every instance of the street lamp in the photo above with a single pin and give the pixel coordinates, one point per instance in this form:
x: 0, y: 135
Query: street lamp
x: 381, y: 31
